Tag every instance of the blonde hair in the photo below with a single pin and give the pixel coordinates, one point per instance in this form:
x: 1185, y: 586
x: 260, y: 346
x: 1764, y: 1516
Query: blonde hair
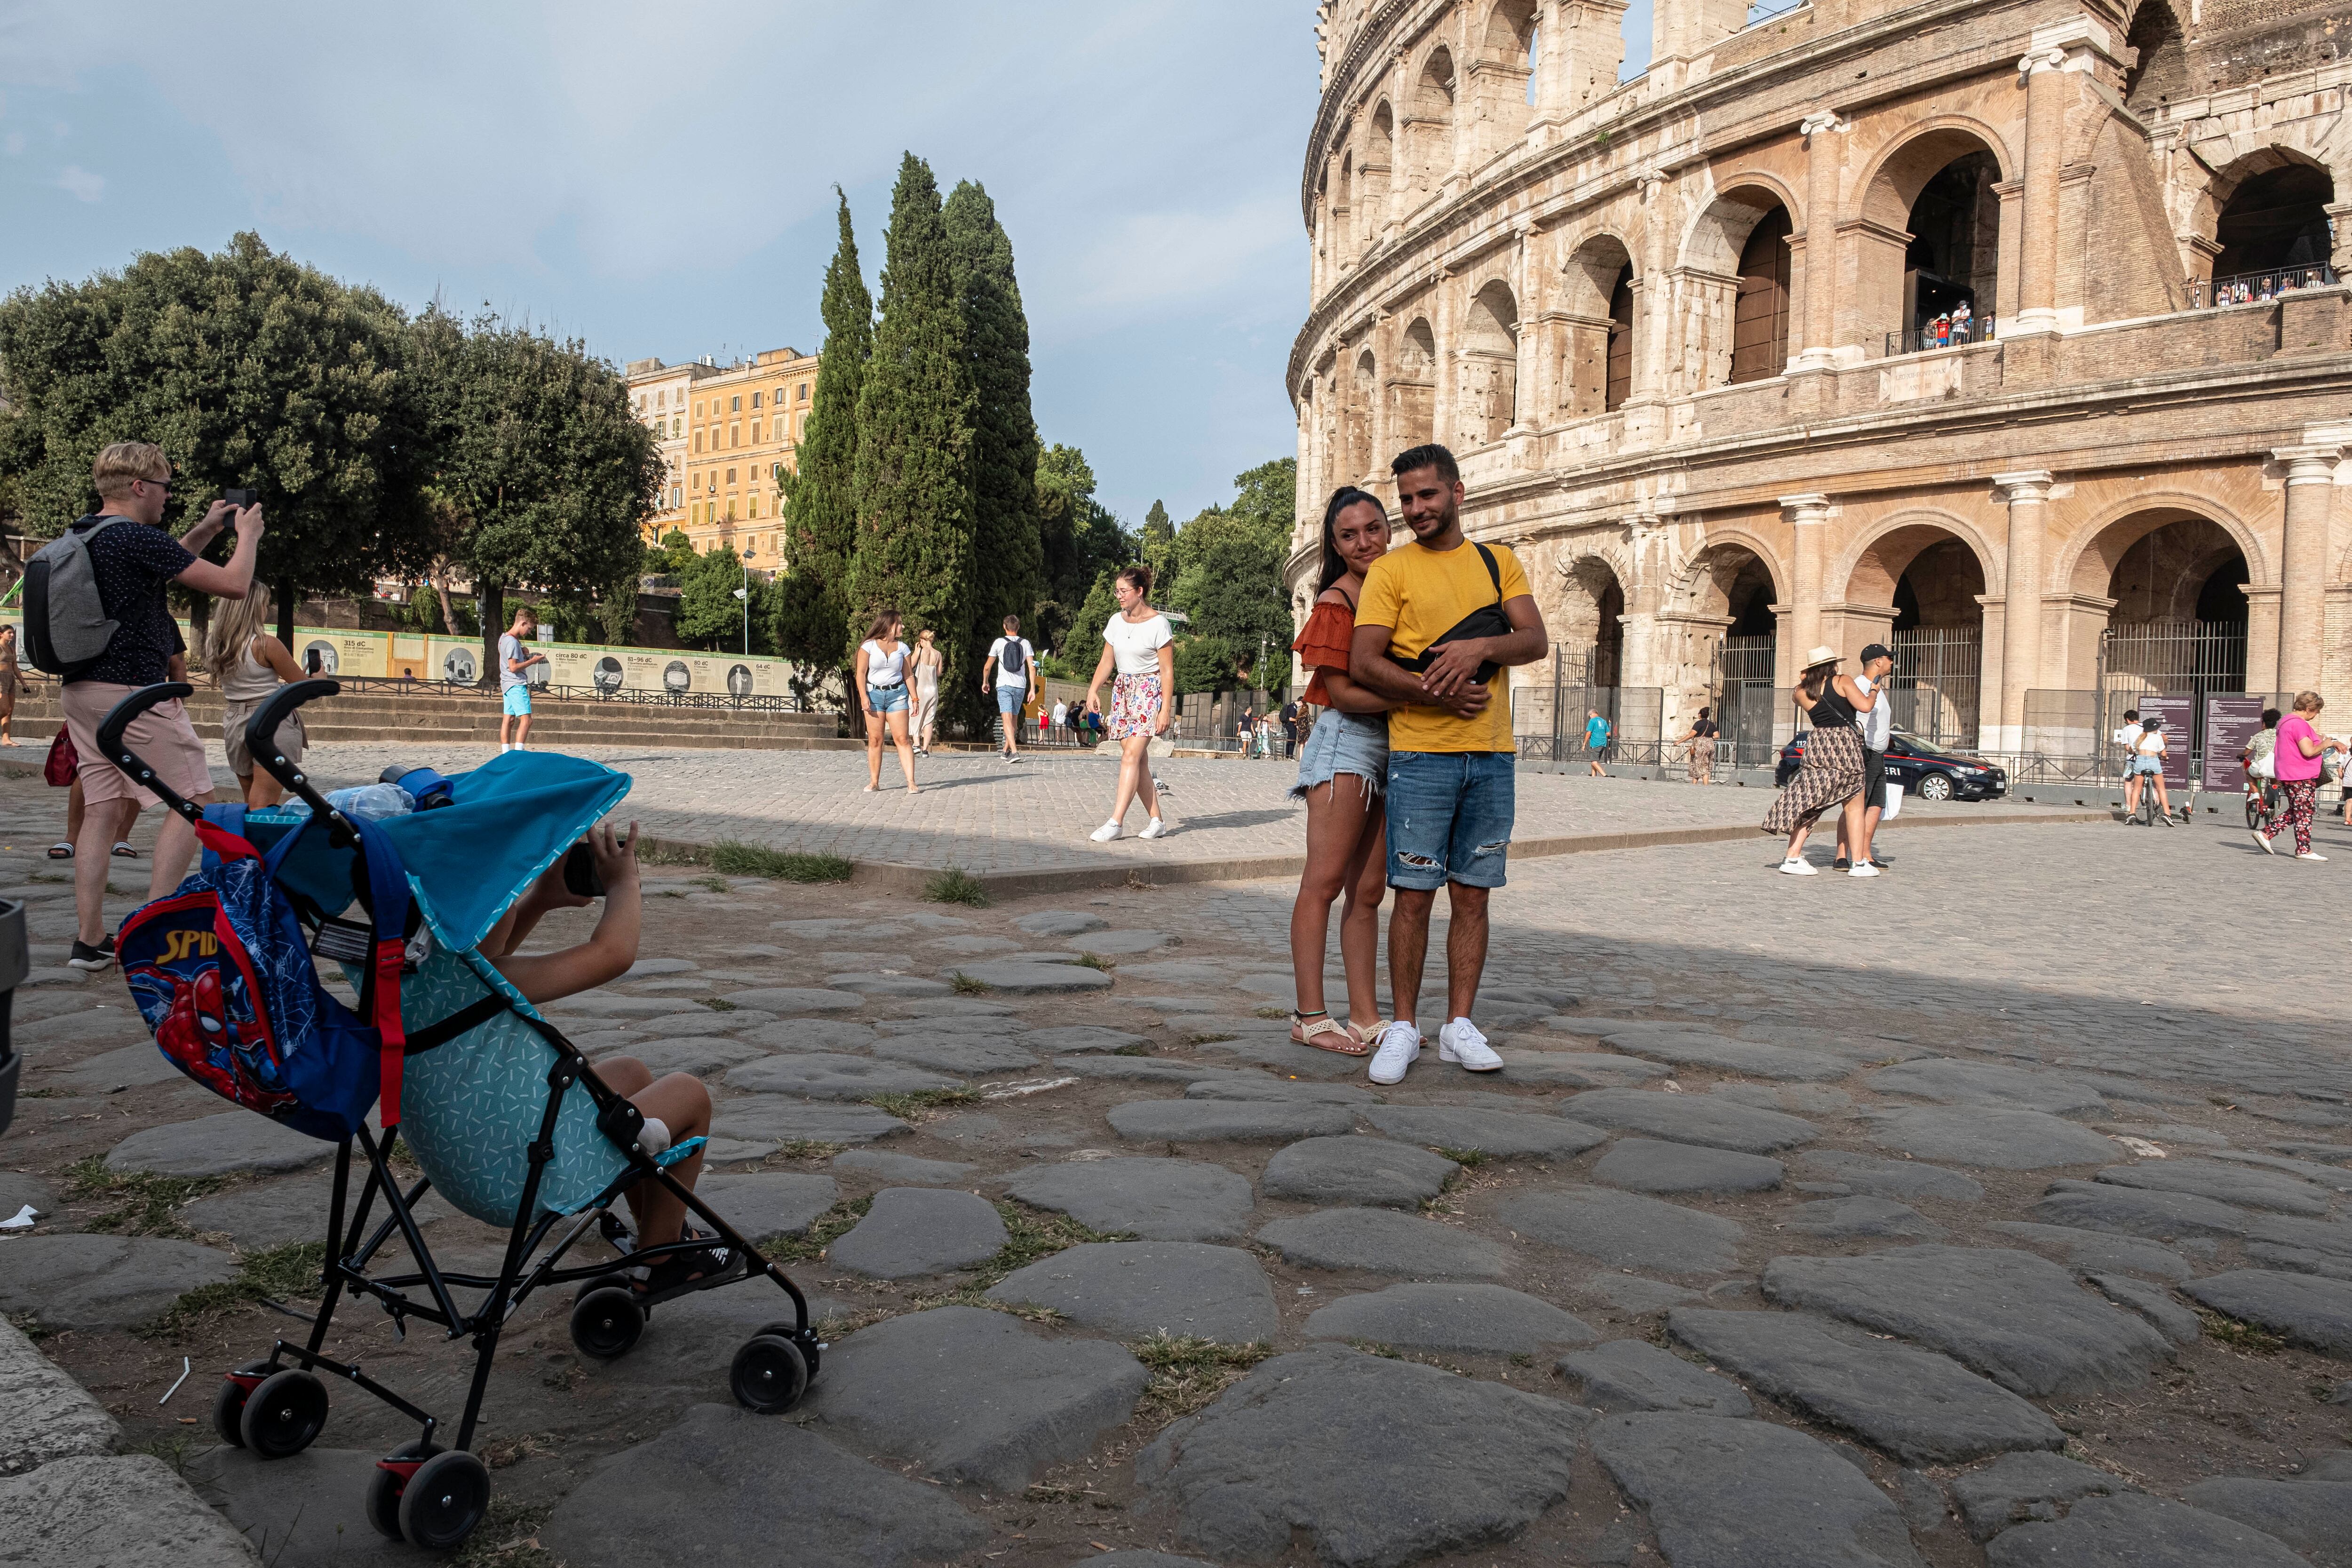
x: 233, y: 626
x: 124, y: 461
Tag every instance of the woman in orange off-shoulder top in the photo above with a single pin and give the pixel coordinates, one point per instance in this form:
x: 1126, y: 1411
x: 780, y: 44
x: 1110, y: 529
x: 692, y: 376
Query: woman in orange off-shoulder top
x: 1340, y: 770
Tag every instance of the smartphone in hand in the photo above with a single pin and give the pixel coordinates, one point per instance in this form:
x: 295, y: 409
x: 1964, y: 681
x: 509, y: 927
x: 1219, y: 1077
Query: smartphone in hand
x: 580, y: 873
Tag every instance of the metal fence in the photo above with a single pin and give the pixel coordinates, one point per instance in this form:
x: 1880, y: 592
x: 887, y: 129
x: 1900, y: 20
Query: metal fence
x: 1934, y: 690
x: 2254, y: 287
x: 1549, y: 717
x: 1926, y: 336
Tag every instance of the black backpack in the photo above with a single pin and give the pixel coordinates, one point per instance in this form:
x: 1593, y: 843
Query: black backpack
x: 1011, y: 661
x: 65, y: 627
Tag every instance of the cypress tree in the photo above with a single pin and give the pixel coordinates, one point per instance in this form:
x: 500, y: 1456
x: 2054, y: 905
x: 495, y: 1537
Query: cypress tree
x: 916, y: 413
x: 823, y: 489
x: 1008, y: 553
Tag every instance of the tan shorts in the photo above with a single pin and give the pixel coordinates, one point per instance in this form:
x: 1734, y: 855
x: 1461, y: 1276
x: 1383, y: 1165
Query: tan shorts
x: 235, y: 716
x: 162, y: 738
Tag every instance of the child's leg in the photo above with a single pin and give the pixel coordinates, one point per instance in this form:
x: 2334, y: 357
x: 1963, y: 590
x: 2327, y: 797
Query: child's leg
x: 681, y: 1103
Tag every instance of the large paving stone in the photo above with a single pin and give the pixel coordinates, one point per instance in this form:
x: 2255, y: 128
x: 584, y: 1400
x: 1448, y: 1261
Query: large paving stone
x: 900, y: 985
x: 2134, y: 1211
x: 1083, y: 1037
x: 1003, y: 1024
x: 271, y: 1215
x: 2328, y: 1176
x: 1951, y: 1080
x: 304, y: 1509
x: 912, y: 1231
x: 1178, y: 972
x: 1385, y: 1243
x: 1061, y: 923
x: 1726, y: 1493
x: 1238, y: 1087
x: 801, y: 1035
x: 1121, y: 944
x: 1704, y: 1048
x: 1903, y: 1179
x: 1148, y: 1070
x: 1272, y: 1049
x: 703, y: 1056
x: 753, y: 1121
x: 132, y: 1065
x: 2165, y: 1315
x: 2131, y: 1530
x: 2019, y: 1320
x: 95, y: 1511
x: 1690, y: 1118
x: 1647, y: 1165
x: 1626, y: 1229
x: 904, y: 1168
x: 1634, y: 1374
x: 1921, y: 1407
x: 1019, y: 978
x: 1220, y: 1122
x: 822, y: 1076
x: 769, y: 1203
x: 103, y: 1281
x: 2311, y: 1515
x: 1853, y: 1219
x: 2017, y: 1488
x: 1989, y: 1137
x: 1135, y: 1288
x: 1479, y: 1318
x: 1573, y: 1069
x: 956, y: 1053
x: 2302, y: 1309
x: 1633, y: 1293
x: 233, y: 1143
x: 1161, y: 1200
x: 2094, y: 1250
x: 2225, y: 1182
x: 724, y: 1486
x: 1357, y: 1170
x: 1506, y: 1134
x: 51, y: 1416
x: 974, y: 1396
x: 792, y: 1001
x: 1377, y: 1463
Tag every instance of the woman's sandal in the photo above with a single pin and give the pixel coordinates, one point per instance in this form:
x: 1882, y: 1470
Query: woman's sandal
x: 1304, y: 1032
x: 1369, y: 1033
x: 124, y: 850
x: 687, y: 1268
x: 61, y: 851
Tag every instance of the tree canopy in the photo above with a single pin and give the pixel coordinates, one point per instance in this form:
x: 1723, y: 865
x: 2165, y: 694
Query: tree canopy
x: 1228, y: 582
x: 1008, y: 557
x: 820, y: 495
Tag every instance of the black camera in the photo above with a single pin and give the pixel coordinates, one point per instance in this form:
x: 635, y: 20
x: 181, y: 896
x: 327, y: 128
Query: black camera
x: 580, y: 873
x: 242, y: 498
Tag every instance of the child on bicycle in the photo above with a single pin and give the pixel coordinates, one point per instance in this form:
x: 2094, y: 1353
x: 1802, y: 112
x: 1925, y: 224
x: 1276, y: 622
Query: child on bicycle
x: 2146, y: 772
x: 2259, y: 760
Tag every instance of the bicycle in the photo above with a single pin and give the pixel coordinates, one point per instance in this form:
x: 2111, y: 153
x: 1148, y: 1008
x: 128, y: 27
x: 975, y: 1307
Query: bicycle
x: 2144, y: 814
x: 2262, y: 807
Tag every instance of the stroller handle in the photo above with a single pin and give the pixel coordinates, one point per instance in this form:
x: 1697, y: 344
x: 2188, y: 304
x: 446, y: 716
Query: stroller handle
x: 112, y: 746
x: 261, y: 741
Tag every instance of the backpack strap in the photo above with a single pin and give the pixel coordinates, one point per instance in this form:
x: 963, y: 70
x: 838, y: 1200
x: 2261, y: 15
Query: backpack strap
x: 388, y: 901
x: 1494, y: 573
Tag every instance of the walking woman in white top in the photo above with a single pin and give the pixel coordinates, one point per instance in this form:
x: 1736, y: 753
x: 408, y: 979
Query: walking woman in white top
x: 881, y: 677
x: 248, y: 665
x: 1137, y: 646
x: 926, y: 666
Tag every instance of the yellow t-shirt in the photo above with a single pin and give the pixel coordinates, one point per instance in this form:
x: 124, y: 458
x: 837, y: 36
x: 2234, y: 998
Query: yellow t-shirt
x: 1420, y: 594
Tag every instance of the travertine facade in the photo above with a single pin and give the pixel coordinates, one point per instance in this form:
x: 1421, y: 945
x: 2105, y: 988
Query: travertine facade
x: 1673, y: 327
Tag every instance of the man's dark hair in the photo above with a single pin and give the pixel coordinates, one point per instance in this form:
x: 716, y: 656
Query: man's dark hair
x: 2132, y: 714
x: 1431, y: 456
x: 2271, y: 717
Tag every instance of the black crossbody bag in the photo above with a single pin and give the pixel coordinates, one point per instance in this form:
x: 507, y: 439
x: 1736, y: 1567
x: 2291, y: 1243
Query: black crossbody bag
x: 1485, y: 621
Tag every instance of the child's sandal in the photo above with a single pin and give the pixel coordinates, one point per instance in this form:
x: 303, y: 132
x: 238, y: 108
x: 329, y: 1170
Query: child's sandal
x: 1323, y: 1028
x: 679, y: 1268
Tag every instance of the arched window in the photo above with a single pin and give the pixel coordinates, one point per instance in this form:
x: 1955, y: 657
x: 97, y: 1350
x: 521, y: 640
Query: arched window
x: 1948, y: 269
x: 2275, y: 219
x: 1759, y: 320
x: 1490, y: 363
x: 1620, y: 383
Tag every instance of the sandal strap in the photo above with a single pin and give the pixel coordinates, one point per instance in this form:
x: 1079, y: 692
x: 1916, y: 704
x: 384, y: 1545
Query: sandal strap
x: 1327, y: 1025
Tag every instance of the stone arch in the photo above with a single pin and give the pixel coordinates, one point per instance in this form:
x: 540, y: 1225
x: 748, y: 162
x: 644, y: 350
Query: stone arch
x: 1489, y: 364
x: 1716, y: 233
x: 1363, y: 396
x: 2085, y: 563
x: 1597, y: 292
x: 1877, y: 559
x: 1412, y: 387
x: 1935, y: 189
x: 1428, y: 126
x: 1343, y: 211
x: 2163, y: 575
x: 1375, y: 171
x: 1902, y: 169
x: 2269, y: 211
x: 1590, y: 627
x: 1743, y: 233
x: 1916, y: 582
x: 1504, y: 73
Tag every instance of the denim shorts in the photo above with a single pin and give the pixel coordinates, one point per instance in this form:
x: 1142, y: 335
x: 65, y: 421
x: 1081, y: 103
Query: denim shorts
x: 2144, y: 764
x: 1339, y: 743
x: 887, y: 698
x: 1009, y: 698
x: 1450, y: 818
x: 515, y: 700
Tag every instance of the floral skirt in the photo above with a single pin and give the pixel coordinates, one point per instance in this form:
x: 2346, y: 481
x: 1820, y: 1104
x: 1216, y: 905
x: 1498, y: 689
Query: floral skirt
x: 1134, y: 706
x: 1829, y: 774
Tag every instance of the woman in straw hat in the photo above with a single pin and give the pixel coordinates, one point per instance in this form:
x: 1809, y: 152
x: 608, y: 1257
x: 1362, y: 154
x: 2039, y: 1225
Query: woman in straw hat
x: 1831, y: 771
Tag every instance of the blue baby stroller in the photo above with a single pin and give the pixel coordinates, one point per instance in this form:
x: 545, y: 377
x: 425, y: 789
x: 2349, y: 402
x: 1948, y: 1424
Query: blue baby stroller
x: 500, y: 1112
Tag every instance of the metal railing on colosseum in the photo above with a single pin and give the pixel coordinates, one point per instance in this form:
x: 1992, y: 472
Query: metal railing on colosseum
x: 2257, y: 287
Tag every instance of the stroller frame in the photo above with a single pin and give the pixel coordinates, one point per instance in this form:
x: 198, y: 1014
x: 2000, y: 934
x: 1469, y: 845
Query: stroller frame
x: 276, y: 1410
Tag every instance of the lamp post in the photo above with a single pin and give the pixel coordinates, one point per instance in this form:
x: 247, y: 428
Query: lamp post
x: 744, y: 593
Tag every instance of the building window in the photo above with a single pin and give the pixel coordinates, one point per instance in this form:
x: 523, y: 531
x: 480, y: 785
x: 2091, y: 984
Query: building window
x: 698, y: 411
x: 735, y: 434
x: 731, y: 509
x: 755, y: 400
x: 755, y: 505
x: 735, y: 406
x: 698, y: 440
x: 804, y: 398
x: 677, y: 426
x: 730, y: 476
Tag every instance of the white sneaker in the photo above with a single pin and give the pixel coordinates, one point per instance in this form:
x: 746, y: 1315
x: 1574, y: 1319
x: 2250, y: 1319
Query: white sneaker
x: 1862, y: 869
x: 1460, y: 1042
x: 1155, y: 828
x: 1399, y: 1048
x: 1800, y: 868
x: 1106, y: 833
x: 2263, y: 842
x: 2311, y: 855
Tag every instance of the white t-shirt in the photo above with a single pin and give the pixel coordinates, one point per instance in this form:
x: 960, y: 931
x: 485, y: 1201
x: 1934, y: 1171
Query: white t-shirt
x: 2128, y: 736
x: 1137, y: 643
x: 885, y: 668
x: 1878, y: 723
x: 1028, y: 661
x: 1061, y: 714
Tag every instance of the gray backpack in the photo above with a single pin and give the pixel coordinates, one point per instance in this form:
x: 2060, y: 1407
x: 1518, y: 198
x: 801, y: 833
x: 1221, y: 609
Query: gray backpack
x: 66, y: 626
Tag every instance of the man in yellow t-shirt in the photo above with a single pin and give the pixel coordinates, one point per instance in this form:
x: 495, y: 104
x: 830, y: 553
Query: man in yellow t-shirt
x: 1450, y: 792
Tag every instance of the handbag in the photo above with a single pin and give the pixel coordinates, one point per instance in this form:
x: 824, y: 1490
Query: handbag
x: 1485, y: 621
x: 2264, y: 766
x: 63, y: 762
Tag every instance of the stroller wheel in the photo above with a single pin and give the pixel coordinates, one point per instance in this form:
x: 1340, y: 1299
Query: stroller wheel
x: 385, y: 1486
x: 805, y: 1344
x: 770, y: 1374
x: 444, y: 1499
x: 284, y: 1414
x: 228, y: 1405
x: 606, y: 1322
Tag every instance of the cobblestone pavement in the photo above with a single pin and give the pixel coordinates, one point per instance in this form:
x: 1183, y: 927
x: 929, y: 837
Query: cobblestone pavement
x: 1992, y: 1212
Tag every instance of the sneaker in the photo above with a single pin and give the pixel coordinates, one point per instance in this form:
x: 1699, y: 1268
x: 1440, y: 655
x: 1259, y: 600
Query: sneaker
x: 1400, y: 1046
x: 1461, y: 1043
x: 1864, y: 869
x: 1012, y: 757
x: 1106, y: 833
x: 2263, y: 842
x: 1839, y: 864
x: 1800, y: 868
x: 2166, y: 818
x: 85, y: 956
x: 2311, y: 855
x: 1155, y: 828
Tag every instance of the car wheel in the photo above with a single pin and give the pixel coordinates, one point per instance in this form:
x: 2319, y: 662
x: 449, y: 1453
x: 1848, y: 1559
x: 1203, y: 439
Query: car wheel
x: 1936, y: 787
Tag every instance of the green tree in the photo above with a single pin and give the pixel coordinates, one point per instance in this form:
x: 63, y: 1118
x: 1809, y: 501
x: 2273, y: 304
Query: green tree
x: 1204, y: 664
x: 1158, y: 545
x: 709, y: 615
x: 1007, y: 552
x: 549, y: 473
x: 821, y: 495
x: 916, y: 416
x: 1081, y: 539
x: 249, y: 370
x: 1229, y: 571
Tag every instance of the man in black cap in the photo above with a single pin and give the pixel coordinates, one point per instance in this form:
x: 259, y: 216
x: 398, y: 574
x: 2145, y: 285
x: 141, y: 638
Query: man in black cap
x: 1877, y: 728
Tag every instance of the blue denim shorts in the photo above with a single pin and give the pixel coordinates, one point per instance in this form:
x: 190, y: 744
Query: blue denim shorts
x: 887, y: 698
x: 1450, y: 817
x: 1339, y: 743
x: 1009, y: 698
x: 515, y: 701
x: 2145, y: 765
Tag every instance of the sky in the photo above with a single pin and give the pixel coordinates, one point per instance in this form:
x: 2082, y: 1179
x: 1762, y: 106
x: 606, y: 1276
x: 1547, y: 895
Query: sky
x: 658, y: 180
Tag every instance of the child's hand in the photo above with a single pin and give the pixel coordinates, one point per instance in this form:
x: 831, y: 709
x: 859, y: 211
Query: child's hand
x: 616, y: 855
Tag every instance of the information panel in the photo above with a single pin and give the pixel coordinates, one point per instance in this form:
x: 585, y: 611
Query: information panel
x: 2232, y: 719
x: 2176, y: 712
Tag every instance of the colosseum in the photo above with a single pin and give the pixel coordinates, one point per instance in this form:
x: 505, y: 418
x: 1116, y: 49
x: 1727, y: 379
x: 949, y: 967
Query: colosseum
x: 2007, y: 333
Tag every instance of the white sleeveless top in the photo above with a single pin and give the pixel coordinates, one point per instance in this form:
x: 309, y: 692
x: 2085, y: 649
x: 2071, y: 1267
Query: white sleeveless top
x: 884, y: 668
x: 248, y: 679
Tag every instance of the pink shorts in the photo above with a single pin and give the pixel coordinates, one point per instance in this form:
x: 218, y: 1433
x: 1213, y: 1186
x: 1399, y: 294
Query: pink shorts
x: 161, y: 737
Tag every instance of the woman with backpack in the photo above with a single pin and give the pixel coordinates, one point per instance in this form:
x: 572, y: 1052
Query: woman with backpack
x: 249, y: 665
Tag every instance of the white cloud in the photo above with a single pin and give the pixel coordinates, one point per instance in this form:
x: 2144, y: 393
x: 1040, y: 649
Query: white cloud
x: 80, y: 183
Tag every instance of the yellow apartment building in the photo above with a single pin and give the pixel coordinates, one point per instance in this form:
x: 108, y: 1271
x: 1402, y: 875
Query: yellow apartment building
x: 727, y: 432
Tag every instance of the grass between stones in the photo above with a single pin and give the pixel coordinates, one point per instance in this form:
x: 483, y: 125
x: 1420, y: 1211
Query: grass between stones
x: 823, y: 1231
x: 1273, y: 1012
x: 1030, y: 1234
x: 798, y: 1148
x: 915, y: 1105
x: 29, y: 1324
x: 142, y: 1203
x: 1097, y: 962
x: 965, y: 985
x: 710, y: 884
x: 1468, y: 1159
x: 1141, y: 1050
x: 720, y: 1004
x: 733, y: 857
x: 1208, y: 1039
x: 956, y: 885
x: 1187, y: 1373
x: 293, y: 1270
x: 2239, y: 1334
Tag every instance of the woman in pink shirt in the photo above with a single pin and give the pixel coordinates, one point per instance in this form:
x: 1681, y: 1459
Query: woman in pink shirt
x: 2298, y: 766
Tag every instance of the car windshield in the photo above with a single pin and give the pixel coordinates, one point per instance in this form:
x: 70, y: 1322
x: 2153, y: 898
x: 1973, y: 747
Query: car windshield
x: 1899, y: 741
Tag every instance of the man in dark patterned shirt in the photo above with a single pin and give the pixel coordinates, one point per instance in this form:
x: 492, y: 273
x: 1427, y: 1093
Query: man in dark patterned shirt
x: 133, y: 559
